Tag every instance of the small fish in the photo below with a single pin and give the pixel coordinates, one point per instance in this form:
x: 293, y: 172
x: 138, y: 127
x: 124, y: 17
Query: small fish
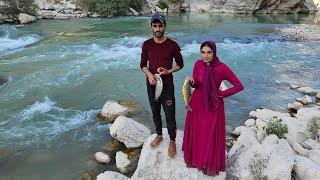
x: 159, y: 86
x: 186, y: 93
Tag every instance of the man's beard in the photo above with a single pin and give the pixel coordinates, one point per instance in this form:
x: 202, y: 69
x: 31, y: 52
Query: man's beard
x: 158, y: 36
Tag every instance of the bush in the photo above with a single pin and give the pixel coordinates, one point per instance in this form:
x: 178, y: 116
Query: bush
x: 313, y: 127
x: 257, y: 166
x: 110, y: 7
x: 19, y: 6
x: 163, y: 4
x: 276, y: 127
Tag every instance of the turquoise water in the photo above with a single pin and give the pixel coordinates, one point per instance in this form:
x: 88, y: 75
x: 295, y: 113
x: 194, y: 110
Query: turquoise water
x: 61, y: 72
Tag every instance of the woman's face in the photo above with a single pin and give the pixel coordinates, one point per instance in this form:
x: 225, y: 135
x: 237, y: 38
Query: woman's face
x: 206, y: 54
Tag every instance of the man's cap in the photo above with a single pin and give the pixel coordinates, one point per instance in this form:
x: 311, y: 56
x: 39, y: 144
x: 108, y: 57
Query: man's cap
x: 158, y: 16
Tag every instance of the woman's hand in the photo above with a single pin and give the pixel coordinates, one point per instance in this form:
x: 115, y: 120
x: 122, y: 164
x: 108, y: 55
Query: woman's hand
x: 190, y: 80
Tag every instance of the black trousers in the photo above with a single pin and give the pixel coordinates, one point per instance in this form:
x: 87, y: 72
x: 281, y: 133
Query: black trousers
x: 167, y: 100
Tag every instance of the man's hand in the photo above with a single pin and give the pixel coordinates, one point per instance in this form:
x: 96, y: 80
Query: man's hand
x: 163, y: 71
x: 151, y: 79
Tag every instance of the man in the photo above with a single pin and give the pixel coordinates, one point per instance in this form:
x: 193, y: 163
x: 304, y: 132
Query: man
x: 157, y: 56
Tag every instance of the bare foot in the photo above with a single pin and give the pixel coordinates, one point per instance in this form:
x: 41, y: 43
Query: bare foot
x: 156, y: 141
x: 172, y: 149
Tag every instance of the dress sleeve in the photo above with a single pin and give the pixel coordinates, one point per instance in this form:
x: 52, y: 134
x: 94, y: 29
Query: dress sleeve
x: 195, y: 75
x: 232, y: 78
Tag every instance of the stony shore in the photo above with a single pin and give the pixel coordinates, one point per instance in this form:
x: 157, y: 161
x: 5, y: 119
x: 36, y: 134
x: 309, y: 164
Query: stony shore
x: 257, y: 148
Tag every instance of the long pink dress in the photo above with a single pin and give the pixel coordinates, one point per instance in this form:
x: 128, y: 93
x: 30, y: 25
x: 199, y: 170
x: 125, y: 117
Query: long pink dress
x: 204, y: 141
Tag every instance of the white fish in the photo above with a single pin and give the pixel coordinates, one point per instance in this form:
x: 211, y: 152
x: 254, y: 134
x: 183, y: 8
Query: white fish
x: 159, y: 86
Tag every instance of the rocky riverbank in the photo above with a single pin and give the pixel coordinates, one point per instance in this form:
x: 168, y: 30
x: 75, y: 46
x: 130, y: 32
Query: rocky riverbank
x: 64, y: 9
x: 271, y: 144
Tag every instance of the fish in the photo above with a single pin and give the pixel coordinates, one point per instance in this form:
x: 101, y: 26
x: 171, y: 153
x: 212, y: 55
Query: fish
x: 186, y: 93
x: 159, y: 86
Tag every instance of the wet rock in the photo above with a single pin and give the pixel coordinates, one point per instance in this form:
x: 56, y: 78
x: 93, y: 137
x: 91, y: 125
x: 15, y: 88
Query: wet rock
x: 112, y: 109
x: 102, y: 157
x: 122, y: 161
x: 305, y: 100
x: 26, y: 18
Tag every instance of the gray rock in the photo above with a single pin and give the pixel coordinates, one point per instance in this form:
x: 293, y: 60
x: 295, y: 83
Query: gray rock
x: 102, y: 157
x: 295, y: 105
x: 304, y: 168
x: 26, y: 18
x: 122, y: 161
x: 305, y: 100
x: 128, y: 131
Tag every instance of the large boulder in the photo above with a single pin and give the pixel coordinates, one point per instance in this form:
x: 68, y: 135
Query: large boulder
x: 266, y: 114
x: 305, y: 100
x: 128, y: 131
x: 265, y: 161
x: 306, y: 114
x: 26, y: 18
x: 297, y: 133
x: 245, y: 141
x: 111, y: 175
x: 304, y: 168
x: 155, y: 164
x: 112, y: 109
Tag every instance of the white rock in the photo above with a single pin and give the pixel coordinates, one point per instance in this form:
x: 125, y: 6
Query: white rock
x: 305, y: 100
x: 237, y: 131
x: 306, y: 114
x: 297, y: 133
x: 294, y: 86
x: 102, y: 157
x: 250, y: 122
x: 296, y: 106
x: 122, y: 161
x: 314, y: 155
x: 112, y: 109
x: 308, y: 90
x: 318, y: 97
x: 111, y: 175
x: 260, y: 124
x: 128, y: 131
x: 266, y: 114
x: 271, y: 139
x: 275, y: 160
x: 312, y: 144
x: 245, y: 141
x: 134, y: 12
x: 155, y: 164
x: 26, y: 18
x: 261, y: 135
x: 304, y: 168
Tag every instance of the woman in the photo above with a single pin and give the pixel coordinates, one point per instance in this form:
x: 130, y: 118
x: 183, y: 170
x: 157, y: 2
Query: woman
x: 204, y: 142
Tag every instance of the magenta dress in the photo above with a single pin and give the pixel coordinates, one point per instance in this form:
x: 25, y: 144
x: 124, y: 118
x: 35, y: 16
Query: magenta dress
x: 204, y: 141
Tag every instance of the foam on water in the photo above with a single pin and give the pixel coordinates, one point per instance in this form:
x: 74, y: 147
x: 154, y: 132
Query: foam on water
x: 43, y: 121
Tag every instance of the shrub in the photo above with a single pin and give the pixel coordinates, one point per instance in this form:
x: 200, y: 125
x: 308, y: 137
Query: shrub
x: 314, y: 126
x: 257, y: 165
x: 276, y: 127
x: 163, y: 4
x: 110, y: 7
x: 19, y: 6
